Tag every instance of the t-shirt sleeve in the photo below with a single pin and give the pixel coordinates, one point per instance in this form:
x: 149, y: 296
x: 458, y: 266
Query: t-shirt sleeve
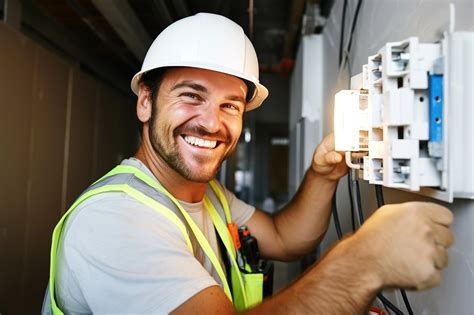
x: 241, y: 211
x: 127, y: 258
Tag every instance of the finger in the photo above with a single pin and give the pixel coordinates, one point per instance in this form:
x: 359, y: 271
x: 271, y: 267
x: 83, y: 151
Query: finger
x: 329, y: 141
x: 437, y: 213
x: 442, y: 215
x: 433, y: 280
x: 319, y: 159
x: 333, y: 157
x: 443, y: 236
x: 441, y: 257
x: 327, y: 145
x: 359, y: 155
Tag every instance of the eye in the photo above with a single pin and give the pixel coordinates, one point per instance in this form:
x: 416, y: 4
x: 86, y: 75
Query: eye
x: 192, y: 96
x: 231, y: 106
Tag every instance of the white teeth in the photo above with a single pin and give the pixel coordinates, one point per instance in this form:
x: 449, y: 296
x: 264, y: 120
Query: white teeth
x: 200, y: 142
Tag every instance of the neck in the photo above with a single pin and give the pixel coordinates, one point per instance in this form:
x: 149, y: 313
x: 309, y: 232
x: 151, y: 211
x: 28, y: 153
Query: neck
x: 180, y: 187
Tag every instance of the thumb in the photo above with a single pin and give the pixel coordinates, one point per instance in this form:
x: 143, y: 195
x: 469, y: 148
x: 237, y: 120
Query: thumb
x: 333, y: 157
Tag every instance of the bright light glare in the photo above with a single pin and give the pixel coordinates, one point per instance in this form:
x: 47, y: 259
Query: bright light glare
x: 247, y: 136
x: 346, y: 120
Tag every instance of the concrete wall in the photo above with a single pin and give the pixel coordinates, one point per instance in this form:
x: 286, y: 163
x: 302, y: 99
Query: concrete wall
x: 381, y: 21
x: 59, y: 130
x: 306, y: 103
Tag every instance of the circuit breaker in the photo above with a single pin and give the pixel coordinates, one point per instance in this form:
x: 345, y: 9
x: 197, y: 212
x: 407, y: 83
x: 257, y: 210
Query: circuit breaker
x: 410, y: 111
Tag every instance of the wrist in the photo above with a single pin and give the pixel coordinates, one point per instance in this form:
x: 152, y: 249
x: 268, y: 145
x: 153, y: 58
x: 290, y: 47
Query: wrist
x: 346, y: 272
x: 322, y: 178
x: 365, y: 261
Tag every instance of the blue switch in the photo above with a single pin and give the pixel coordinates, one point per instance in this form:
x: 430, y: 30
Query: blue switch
x: 436, y: 107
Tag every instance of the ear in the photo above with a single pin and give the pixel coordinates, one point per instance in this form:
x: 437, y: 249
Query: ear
x: 144, y: 104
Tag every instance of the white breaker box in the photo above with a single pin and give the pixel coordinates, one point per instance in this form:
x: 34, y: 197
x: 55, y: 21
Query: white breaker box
x: 411, y: 112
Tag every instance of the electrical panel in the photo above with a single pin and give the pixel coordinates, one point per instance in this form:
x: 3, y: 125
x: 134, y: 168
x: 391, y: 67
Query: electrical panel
x: 411, y: 112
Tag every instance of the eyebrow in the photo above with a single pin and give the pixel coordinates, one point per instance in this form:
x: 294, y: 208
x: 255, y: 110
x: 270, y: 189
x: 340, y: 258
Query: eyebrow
x: 236, y: 99
x: 190, y: 84
x: 201, y: 88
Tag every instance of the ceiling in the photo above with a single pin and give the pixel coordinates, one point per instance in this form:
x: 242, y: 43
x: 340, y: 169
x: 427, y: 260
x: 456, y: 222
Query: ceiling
x: 109, y: 38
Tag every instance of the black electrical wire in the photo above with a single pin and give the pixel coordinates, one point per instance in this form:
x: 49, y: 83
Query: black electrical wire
x: 351, y: 201
x: 389, y: 305
x: 344, y: 54
x: 379, y: 196
x: 406, y: 301
x: 352, y: 195
x: 354, y: 23
x: 355, y: 199
x: 335, y: 215
x: 343, y: 25
x: 337, y: 225
x: 380, y: 203
x: 359, y: 202
x: 358, y: 205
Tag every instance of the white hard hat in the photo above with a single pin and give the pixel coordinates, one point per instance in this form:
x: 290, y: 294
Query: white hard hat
x: 206, y: 41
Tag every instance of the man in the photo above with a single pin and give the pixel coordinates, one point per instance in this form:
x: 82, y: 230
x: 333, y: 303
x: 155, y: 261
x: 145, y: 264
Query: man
x: 143, y: 238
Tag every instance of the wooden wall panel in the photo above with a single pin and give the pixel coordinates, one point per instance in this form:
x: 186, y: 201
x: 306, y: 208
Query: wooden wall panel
x: 49, y: 153
x: 115, y: 130
x: 84, y: 100
x: 46, y: 170
x: 128, y: 121
x: 107, y: 141
x: 16, y: 81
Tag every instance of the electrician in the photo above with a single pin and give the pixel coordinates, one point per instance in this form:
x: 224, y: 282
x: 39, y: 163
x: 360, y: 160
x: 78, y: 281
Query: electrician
x: 145, y: 237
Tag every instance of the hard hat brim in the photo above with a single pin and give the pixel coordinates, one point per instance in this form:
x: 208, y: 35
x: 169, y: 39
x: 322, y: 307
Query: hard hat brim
x: 261, y: 93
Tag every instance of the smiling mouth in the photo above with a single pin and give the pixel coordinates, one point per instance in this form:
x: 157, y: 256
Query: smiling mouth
x: 200, y: 143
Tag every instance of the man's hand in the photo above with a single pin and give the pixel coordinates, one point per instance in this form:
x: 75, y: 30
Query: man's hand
x: 408, y: 243
x: 327, y: 162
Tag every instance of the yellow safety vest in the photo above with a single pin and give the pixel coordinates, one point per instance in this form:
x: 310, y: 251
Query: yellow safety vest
x: 247, y: 288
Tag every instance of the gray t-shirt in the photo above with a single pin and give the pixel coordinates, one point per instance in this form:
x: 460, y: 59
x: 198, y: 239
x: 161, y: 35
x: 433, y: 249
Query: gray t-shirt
x: 118, y: 256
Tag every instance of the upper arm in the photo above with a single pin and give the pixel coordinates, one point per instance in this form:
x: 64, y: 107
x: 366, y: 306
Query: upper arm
x: 211, y: 300
x: 262, y: 226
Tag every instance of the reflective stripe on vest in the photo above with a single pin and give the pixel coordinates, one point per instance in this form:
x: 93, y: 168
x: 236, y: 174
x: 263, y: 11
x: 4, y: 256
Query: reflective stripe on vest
x: 148, y: 191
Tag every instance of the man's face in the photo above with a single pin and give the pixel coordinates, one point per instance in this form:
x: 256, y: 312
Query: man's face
x: 197, y: 120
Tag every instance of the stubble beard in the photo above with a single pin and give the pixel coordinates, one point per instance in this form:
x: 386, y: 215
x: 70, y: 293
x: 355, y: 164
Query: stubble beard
x: 175, y: 160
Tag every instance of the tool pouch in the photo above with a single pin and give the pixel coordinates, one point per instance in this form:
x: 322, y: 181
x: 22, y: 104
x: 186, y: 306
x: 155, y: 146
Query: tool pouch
x: 253, y: 284
x: 258, y: 285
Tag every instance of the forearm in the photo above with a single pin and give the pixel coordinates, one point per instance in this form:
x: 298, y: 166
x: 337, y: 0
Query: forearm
x: 303, y: 222
x: 343, y: 282
x: 402, y: 246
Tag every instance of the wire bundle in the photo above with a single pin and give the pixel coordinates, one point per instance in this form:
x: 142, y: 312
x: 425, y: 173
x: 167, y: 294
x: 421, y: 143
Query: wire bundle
x: 356, y: 208
x: 380, y: 203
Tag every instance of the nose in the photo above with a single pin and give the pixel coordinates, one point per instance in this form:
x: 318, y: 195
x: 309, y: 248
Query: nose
x: 209, y: 118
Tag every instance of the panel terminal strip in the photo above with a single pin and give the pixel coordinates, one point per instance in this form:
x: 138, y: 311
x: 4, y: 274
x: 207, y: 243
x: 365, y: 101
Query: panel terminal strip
x: 396, y: 112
